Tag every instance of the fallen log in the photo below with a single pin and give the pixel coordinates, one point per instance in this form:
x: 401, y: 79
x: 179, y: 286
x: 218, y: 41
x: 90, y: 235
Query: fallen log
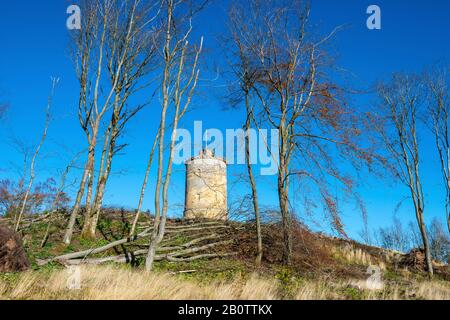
x: 85, y: 253
x: 182, y: 271
x: 129, y: 256
x: 202, y: 225
x: 166, y: 245
x: 126, y: 258
x: 168, y: 231
x: 201, y: 256
x: 199, y: 224
x: 197, y: 249
x: 123, y: 258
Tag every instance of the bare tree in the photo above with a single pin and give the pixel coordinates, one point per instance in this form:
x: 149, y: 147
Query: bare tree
x: 90, y: 47
x: 138, y: 62
x: 288, y: 68
x: 394, y: 237
x: 397, y: 126
x: 439, y: 109
x: 439, y: 241
x: 246, y: 73
x: 12, y: 193
x: 113, y: 51
x: 179, y: 82
x: 35, y: 155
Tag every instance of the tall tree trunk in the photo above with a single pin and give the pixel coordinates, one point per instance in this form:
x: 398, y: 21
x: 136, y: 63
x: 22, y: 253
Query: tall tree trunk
x: 259, y: 253
x: 92, y: 215
x: 35, y: 155
x: 159, y: 229
x: 426, y: 243
x: 171, y: 57
x: 156, y: 234
x: 448, y: 220
x: 285, y: 219
x: 100, y: 193
x: 88, y: 209
x: 162, y: 129
x: 160, y: 217
x: 283, y: 193
x: 76, y: 207
x: 144, y: 186
x: 420, y: 207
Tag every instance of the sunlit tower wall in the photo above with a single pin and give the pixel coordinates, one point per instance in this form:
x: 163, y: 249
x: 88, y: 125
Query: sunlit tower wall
x: 206, y: 187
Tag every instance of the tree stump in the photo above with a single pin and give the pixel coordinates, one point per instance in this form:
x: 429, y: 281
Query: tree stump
x: 12, y: 254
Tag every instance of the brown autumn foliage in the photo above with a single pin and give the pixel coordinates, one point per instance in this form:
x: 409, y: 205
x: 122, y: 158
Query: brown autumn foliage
x: 40, y: 198
x: 311, y: 253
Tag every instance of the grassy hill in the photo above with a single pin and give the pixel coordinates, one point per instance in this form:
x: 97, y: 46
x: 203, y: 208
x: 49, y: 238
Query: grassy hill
x: 213, y: 260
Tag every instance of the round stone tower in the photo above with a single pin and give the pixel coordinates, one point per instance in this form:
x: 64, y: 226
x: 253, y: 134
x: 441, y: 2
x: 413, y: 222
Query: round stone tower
x: 206, y: 187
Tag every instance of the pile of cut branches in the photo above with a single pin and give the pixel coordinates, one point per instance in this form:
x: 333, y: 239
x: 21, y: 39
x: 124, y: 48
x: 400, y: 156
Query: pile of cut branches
x: 184, y: 241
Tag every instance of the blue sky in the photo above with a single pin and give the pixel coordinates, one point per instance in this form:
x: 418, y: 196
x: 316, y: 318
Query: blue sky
x: 34, y: 47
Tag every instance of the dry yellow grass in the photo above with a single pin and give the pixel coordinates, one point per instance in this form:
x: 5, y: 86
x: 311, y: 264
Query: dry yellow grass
x: 434, y: 291
x: 114, y: 283
x: 357, y: 256
x: 313, y: 291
